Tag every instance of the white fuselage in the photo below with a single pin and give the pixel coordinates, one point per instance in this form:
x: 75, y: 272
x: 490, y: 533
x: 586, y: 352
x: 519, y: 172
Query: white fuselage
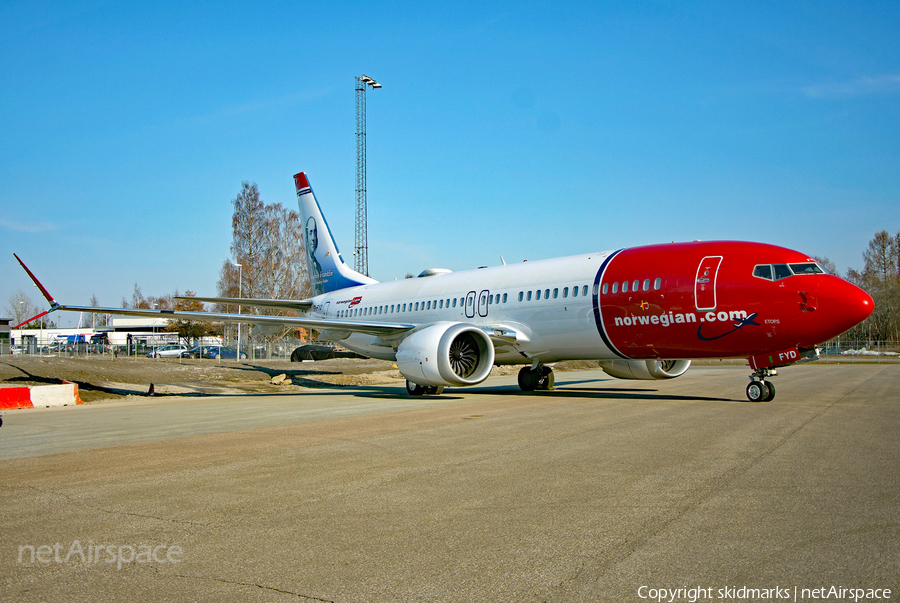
x: 548, y: 304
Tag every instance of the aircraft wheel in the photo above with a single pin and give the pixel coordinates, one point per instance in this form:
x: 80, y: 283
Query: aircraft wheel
x: 414, y: 389
x: 434, y: 390
x: 528, y: 379
x: 546, y: 381
x: 757, y: 391
x: 771, y: 395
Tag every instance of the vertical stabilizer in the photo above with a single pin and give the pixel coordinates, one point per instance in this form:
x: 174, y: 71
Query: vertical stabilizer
x: 326, y: 267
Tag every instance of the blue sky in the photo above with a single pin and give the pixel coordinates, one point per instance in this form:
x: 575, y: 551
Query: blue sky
x: 522, y: 129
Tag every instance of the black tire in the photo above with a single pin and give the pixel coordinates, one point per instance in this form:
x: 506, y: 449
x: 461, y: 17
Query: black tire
x: 434, y: 390
x: 757, y: 391
x: 528, y: 379
x: 414, y: 389
x: 216, y: 357
x: 243, y: 356
x: 771, y: 395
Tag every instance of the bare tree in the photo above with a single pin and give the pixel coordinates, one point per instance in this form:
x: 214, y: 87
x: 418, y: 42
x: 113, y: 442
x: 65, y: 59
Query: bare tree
x: 249, y: 244
x: 267, y: 242
x: 20, y: 307
x: 880, y: 257
x: 880, y: 278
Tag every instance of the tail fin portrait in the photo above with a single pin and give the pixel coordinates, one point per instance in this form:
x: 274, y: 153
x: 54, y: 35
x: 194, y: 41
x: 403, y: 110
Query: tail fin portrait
x: 326, y: 268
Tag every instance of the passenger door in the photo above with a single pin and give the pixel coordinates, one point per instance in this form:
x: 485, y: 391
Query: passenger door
x: 483, y: 302
x: 705, y: 282
x: 470, y: 304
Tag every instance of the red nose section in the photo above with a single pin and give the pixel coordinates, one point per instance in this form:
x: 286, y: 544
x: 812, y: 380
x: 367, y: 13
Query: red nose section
x: 841, y: 306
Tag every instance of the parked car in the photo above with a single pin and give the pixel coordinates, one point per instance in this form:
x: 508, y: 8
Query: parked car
x: 167, y: 351
x: 213, y: 352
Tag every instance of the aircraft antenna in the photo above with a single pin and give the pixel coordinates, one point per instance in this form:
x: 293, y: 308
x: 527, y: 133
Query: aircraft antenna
x: 361, y: 249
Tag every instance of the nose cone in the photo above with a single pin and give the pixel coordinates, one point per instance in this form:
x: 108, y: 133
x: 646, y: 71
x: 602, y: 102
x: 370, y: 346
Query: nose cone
x: 842, y: 305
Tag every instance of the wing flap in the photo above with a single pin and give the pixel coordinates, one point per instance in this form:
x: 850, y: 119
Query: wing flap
x: 371, y: 328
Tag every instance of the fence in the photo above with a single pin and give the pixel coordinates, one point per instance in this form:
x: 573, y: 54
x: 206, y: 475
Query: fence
x: 141, y: 344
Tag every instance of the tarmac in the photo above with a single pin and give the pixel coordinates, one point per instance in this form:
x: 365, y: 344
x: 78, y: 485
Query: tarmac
x: 601, y: 490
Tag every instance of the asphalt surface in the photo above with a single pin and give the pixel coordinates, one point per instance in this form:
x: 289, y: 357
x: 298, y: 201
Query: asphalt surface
x: 586, y: 493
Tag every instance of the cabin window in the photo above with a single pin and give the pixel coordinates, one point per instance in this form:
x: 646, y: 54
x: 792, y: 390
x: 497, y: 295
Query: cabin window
x: 441, y: 304
x: 635, y: 286
x: 646, y: 285
x: 537, y: 294
x: 605, y: 288
x: 504, y: 298
x: 574, y: 291
x: 584, y: 290
x: 529, y: 296
x: 417, y: 306
x: 596, y: 287
x: 565, y: 292
x: 546, y: 293
x: 625, y: 287
x: 521, y: 296
x: 555, y: 293
x: 615, y: 287
x: 657, y: 284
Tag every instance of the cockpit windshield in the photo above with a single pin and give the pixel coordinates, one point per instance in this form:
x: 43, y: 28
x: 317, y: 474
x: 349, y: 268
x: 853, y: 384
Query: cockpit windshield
x: 776, y: 272
x: 810, y: 268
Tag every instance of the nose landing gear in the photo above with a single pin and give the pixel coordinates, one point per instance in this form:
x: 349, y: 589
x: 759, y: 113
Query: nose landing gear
x: 759, y: 389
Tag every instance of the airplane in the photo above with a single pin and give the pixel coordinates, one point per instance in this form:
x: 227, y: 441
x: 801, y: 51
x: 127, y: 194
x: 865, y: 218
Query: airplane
x: 642, y: 312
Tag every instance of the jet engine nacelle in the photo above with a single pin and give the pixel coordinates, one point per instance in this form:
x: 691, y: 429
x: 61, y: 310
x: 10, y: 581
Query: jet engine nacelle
x: 645, y: 369
x: 446, y: 354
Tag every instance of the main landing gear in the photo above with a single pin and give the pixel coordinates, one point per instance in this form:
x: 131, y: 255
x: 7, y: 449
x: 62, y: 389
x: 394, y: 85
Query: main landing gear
x: 759, y: 389
x: 536, y: 377
x: 414, y: 389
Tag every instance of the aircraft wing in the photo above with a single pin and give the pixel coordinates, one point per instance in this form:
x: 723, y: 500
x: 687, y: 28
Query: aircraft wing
x: 382, y: 329
x: 301, y: 305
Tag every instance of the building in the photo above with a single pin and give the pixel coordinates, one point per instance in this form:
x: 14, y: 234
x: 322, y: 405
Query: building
x: 4, y: 336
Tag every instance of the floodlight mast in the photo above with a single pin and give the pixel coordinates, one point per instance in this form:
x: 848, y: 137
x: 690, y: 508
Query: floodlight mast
x: 361, y: 248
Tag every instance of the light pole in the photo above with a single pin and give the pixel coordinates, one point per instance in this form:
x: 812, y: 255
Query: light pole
x: 240, y: 293
x: 361, y: 250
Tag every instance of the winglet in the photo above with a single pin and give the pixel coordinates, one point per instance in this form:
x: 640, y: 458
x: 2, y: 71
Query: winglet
x: 37, y: 283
